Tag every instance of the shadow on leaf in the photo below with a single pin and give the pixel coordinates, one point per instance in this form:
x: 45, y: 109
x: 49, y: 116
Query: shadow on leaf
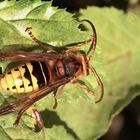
x: 51, y: 118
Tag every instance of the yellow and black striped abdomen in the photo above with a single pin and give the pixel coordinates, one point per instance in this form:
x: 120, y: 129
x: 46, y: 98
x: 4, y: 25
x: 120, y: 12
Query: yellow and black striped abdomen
x: 25, y: 78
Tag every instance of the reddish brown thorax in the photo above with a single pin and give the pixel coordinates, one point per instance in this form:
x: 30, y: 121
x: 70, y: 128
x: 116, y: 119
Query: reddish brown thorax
x: 72, y: 65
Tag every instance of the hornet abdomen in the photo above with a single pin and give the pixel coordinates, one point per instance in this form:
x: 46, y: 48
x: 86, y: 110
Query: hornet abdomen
x: 24, y: 78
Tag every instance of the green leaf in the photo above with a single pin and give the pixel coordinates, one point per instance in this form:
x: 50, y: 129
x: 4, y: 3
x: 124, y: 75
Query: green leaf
x: 77, y: 116
x: 52, y: 26
x: 18, y: 9
x: 118, y: 36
